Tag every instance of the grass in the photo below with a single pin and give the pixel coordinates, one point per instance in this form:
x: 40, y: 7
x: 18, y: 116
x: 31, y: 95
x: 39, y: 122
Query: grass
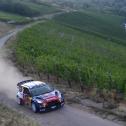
x: 108, y: 26
x: 31, y: 9
x: 41, y: 8
x: 4, y: 16
x: 77, y: 56
x: 12, y: 118
x: 26, y: 8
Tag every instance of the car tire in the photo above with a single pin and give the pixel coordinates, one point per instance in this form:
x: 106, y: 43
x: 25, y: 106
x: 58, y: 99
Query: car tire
x: 34, y: 107
x: 19, y: 101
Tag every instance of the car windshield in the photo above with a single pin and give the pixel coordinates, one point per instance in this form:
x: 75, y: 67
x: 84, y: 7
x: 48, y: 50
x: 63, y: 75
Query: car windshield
x: 41, y: 89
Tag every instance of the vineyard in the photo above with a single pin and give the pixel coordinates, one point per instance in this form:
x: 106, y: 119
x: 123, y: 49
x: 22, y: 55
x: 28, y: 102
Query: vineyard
x: 88, y: 60
x: 23, y: 11
x: 13, y: 17
x: 110, y: 27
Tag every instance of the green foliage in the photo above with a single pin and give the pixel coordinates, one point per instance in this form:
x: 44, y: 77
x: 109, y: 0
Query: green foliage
x: 72, y: 55
x: 25, y: 7
x: 13, y: 17
x: 108, y: 6
x: 108, y: 26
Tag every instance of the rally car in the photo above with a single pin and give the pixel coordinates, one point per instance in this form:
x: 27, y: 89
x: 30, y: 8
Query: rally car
x: 39, y: 96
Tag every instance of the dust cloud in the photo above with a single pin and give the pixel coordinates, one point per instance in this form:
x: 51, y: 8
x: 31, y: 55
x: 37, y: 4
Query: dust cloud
x: 9, y: 76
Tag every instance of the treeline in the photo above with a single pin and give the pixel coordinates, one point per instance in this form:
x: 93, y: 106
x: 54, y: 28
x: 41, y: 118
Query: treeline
x: 17, y: 7
x: 114, y: 6
x: 119, y: 7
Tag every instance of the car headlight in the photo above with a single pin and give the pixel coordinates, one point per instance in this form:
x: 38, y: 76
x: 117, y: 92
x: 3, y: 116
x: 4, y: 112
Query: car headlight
x: 44, y: 104
x: 39, y: 101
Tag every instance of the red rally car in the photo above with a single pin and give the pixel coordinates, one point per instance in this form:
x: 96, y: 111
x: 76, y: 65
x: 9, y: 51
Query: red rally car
x: 39, y: 96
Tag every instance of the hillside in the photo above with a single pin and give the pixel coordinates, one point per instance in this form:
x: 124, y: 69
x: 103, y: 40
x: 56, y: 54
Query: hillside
x: 111, y: 6
x: 23, y: 11
x: 9, y: 17
x: 110, y: 27
x: 52, y: 48
x: 26, y: 8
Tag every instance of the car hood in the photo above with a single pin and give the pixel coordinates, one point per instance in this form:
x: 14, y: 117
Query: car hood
x: 48, y: 96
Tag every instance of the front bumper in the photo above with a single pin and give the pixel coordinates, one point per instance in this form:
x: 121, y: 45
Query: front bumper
x: 51, y: 106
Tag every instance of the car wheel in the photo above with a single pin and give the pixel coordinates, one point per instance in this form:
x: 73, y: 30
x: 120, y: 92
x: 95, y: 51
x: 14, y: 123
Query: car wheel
x: 19, y: 101
x: 34, y: 107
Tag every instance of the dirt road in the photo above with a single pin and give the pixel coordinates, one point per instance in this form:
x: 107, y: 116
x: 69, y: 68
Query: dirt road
x: 68, y: 116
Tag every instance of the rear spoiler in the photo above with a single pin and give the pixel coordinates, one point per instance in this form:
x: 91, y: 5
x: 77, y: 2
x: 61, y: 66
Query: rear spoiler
x: 23, y: 82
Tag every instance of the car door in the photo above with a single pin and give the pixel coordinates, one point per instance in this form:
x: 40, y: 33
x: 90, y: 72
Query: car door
x: 27, y: 96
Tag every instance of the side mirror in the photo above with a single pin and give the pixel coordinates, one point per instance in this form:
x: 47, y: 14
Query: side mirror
x: 56, y: 93
x: 20, y: 89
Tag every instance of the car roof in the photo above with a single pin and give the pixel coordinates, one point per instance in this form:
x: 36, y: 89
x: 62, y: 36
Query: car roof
x: 32, y: 84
